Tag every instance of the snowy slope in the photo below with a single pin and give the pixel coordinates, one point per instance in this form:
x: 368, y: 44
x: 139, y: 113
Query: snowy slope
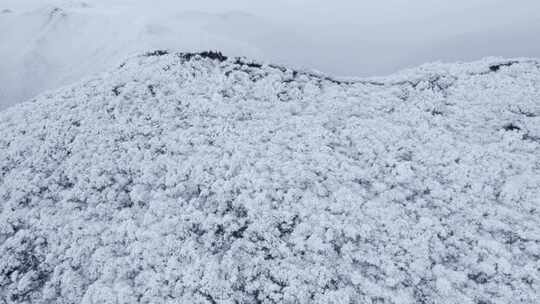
x: 47, y: 46
x: 182, y: 178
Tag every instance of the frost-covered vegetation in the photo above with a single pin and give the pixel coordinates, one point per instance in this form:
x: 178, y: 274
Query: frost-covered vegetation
x: 45, y: 44
x: 196, y: 178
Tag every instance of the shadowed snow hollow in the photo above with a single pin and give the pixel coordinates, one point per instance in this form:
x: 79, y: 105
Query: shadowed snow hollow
x: 195, y: 178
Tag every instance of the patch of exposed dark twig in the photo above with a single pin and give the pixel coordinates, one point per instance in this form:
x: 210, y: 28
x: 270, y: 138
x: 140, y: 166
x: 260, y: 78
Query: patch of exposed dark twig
x: 152, y: 90
x: 523, y: 112
x: 116, y: 89
x: 497, y: 67
x: 156, y: 53
x: 529, y: 137
x: 511, y: 127
x: 206, y: 54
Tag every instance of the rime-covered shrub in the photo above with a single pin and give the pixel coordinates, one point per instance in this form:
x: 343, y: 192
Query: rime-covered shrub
x: 197, y: 178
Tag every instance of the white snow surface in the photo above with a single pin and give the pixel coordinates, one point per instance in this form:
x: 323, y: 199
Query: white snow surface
x: 181, y: 178
x: 50, y: 45
x: 45, y: 44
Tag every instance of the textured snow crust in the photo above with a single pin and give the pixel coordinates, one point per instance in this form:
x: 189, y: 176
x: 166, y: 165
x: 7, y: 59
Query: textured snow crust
x: 184, y: 178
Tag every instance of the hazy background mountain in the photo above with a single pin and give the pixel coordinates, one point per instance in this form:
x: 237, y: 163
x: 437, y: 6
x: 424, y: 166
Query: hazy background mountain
x: 46, y: 44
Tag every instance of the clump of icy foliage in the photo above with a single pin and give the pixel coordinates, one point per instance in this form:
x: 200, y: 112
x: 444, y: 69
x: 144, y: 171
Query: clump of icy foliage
x: 196, y: 178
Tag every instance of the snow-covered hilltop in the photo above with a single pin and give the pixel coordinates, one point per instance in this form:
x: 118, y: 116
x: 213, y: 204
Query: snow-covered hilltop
x: 51, y: 45
x: 45, y: 44
x: 196, y: 178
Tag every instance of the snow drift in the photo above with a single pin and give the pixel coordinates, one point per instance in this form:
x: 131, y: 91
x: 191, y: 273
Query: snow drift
x: 196, y: 178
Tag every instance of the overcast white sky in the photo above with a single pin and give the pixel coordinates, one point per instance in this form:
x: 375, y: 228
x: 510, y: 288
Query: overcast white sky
x: 356, y: 37
x: 340, y: 37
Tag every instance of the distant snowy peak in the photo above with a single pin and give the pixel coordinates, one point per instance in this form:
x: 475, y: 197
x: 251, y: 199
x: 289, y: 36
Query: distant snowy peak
x: 47, y: 46
x: 201, y: 178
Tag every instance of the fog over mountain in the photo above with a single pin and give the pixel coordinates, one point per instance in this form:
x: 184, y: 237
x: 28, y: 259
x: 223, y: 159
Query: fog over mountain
x: 42, y: 50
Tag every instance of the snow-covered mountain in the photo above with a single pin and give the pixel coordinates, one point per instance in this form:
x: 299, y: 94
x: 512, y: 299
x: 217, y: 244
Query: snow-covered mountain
x: 45, y: 44
x: 48, y: 46
x: 196, y: 178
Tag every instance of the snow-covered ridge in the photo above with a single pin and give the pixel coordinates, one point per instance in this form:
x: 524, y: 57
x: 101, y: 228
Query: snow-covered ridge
x: 52, y: 45
x: 45, y: 44
x: 197, y: 178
